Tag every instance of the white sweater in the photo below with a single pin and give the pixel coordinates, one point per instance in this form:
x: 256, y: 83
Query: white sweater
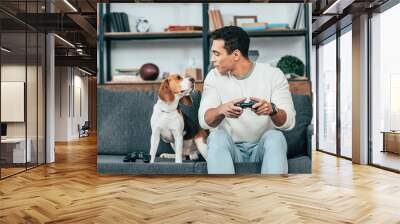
x: 264, y: 82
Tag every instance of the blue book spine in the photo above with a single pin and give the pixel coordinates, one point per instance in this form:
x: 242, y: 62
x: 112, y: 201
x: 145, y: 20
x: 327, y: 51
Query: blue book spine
x: 273, y: 25
x: 254, y: 28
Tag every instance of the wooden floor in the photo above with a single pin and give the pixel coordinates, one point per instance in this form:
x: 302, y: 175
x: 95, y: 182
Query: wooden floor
x: 70, y: 191
x: 10, y: 171
x: 387, y: 159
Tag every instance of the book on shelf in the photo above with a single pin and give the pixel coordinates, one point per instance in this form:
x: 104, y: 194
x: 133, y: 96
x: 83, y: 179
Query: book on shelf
x: 219, y: 18
x: 278, y: 26
x: 125, y: 22
x: 212, y: 19
x: 181, y: 28
x: 126, y: 78
x: 216, y: 18
x: 118, y: 21
x: 118, y: 18
x: 254, y: 26
x: 127, y: 70
x: 126, y: 75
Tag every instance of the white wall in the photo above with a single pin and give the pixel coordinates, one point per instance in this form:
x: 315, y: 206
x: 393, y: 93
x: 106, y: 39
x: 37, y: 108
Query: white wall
x: 175, y: 55
x: 61, y: 103
x: 68, y: 83
x: 79, y: 117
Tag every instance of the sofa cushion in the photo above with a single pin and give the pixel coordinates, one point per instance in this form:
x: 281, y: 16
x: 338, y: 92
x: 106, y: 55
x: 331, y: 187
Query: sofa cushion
x: 296, y: 138
x: 124, y: 121
x: 297, y: 164
x: 113, y: 164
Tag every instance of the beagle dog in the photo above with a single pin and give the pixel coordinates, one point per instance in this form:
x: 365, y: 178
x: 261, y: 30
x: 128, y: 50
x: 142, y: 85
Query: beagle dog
x: 168, y: 122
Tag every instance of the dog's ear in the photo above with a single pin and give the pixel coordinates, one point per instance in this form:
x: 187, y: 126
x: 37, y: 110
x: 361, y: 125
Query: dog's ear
x: 186, y: 100
x: 165, y: 93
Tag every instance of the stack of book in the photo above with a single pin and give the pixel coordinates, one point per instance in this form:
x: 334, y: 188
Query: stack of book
x: 180, y: 28
x: 278, y: 26
x: 118, y: 21
x: 254, y: 26
x: 126, y: 75
x: 216, y: 18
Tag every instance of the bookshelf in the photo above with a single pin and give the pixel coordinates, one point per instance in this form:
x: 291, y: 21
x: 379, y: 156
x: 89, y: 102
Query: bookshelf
x: 149, y: 36
x: 106, y: 38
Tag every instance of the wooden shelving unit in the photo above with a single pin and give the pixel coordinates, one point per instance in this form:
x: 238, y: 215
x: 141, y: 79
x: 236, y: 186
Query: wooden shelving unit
x: 149, y: 36
x: 105, y: 39
x: 197, y: 34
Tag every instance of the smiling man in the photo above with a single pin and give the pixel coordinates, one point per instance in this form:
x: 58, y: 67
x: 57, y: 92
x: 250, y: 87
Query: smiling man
x: 244, y: 134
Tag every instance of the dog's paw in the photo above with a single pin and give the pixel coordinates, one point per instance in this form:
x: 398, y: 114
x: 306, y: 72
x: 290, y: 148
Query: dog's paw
x: 194, y: 156
x: 178, y: 160
x: 167, y: 156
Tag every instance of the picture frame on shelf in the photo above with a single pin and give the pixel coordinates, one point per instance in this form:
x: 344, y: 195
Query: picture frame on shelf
x: 239, y: 20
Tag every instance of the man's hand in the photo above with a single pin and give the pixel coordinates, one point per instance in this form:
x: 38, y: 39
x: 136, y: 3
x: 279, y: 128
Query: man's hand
x: 230, y: 110
x: 262, y: 107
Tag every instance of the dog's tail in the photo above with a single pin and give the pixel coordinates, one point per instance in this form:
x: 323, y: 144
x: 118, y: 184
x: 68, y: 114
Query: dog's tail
x: 200, y: 139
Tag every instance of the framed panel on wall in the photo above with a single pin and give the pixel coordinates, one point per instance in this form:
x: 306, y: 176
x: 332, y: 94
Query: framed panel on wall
x: 12, y: 101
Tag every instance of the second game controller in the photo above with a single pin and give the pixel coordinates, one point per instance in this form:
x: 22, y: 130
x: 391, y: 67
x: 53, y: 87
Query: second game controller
x: 133, y: 156
x: 144, y: 156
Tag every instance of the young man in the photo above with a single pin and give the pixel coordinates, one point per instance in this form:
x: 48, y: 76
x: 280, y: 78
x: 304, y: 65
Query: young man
x: 250, y: 134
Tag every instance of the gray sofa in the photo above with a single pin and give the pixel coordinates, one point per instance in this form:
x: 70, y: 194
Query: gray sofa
x: 124, y: 126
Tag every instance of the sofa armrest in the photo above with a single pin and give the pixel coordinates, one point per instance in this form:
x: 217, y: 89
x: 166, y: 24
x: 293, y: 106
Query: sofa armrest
x: 310, y: 133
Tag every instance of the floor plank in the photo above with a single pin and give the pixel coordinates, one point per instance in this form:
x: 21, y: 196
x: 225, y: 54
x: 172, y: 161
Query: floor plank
x: 70, y: 191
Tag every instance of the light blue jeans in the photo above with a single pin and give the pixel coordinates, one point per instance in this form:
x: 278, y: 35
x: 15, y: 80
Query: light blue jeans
x: 270, y: 151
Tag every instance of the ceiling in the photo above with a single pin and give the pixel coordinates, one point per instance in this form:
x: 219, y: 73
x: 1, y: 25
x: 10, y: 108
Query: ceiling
x: 330, y: 15
x: 76, y: 25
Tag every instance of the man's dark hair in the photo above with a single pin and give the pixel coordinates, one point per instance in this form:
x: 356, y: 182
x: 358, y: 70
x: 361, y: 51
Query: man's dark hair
x: 234, y: 38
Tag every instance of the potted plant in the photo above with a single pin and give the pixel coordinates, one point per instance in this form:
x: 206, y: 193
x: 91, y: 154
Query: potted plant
x: 291, y: 66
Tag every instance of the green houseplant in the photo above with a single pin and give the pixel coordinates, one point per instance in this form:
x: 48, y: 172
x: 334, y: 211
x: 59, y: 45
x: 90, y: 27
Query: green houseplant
x: 291, y: 66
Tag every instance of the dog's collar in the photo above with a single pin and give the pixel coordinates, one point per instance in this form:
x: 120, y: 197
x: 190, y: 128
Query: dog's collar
x: 169, y: 111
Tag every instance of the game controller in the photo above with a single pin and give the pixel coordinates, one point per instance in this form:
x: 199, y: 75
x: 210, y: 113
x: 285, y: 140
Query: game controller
x: 246, y: 104
x: 144, y: 156
x: 133, y: 156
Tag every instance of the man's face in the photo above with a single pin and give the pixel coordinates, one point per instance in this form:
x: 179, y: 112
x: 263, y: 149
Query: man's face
x: 220, y: 58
